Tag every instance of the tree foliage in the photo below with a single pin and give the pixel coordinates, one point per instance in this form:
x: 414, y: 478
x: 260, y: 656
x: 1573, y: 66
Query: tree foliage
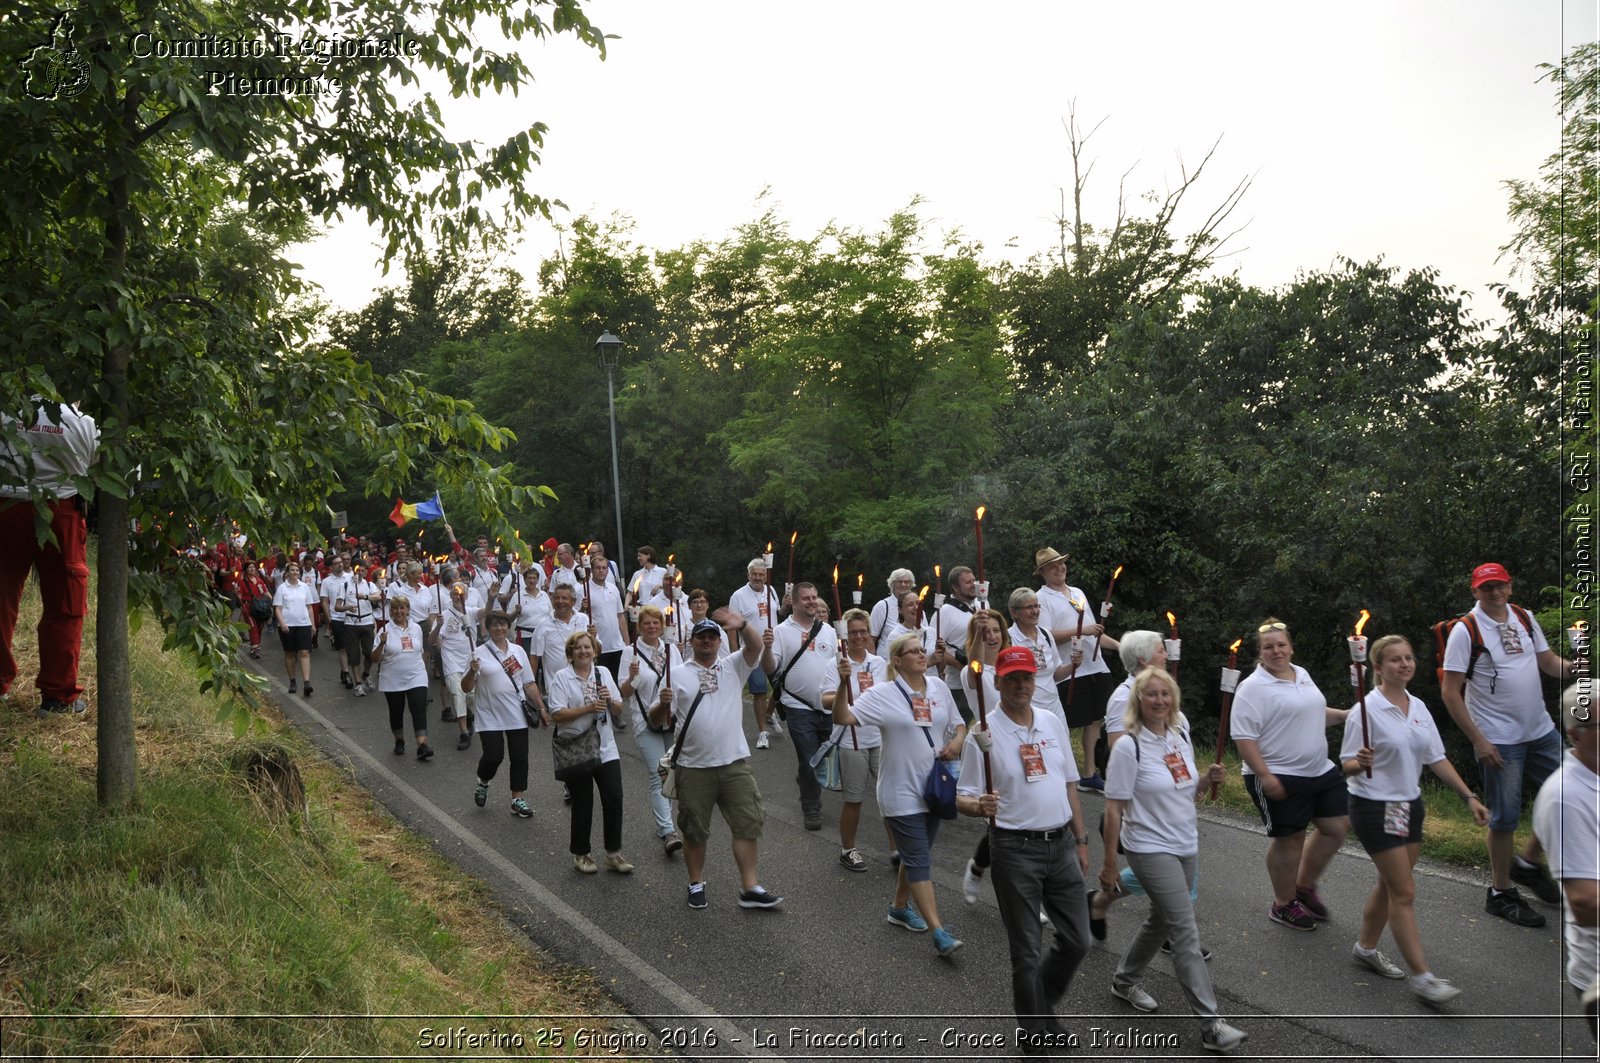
x: 143, y: 223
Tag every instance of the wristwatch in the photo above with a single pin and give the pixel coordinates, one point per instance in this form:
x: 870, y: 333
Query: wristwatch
x: 1082, y: 839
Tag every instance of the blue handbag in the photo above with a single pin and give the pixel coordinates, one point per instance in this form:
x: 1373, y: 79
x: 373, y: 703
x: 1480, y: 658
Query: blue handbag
x: 939, y: 788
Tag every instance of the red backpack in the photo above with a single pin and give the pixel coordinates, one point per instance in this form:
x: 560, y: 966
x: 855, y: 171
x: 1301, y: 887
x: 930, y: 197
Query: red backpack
x: 1441, y: 638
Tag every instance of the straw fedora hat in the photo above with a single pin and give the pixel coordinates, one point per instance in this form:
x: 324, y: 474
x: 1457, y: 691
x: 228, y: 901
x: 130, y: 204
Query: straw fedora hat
x: 1047, y: 556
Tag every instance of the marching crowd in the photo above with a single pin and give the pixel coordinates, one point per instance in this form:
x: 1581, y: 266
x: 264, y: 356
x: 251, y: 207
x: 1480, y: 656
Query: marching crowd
x: 954, y: 709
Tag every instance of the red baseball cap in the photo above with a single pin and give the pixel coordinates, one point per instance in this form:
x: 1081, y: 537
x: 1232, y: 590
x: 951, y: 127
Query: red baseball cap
x: 1014, y: 659
x: 1490, y: 573
x: 549, y: 544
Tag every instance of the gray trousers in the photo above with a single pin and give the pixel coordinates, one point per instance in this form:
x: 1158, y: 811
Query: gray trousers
x: 1167, y: 880
x: 1029, y: 874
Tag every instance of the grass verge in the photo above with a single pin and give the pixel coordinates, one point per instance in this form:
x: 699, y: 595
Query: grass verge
x: 220, y: 919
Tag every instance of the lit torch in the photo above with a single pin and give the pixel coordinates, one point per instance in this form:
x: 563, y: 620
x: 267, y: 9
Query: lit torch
x: 1230, y: 683
x: 983, y: 721
x: 983, y: 584
x: 1174, y: 647
x: 1358, y: 656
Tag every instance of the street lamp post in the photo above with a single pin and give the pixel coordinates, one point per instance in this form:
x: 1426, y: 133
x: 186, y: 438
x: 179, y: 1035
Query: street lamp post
x: 610, y: 350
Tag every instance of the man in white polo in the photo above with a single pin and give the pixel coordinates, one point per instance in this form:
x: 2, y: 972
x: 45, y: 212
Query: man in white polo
x: 1491, y: 686
x: 757, y: 603
x: 802, y: 658
x: 711, y: 758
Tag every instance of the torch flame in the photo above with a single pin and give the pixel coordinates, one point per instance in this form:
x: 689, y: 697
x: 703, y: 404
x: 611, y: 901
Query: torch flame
x: 793, y: 537
x: 835, y: 575
x: 1172, y: 621
x: 1117, y: 573
x: 981, y: 511
x: 769, y: 547
x: 1365, y: 616
x: 977, y: 667
x: 670, y: 557
x: 936, y: 572
x: 923, y: 593
x: 860, y: 579
x: 1235, y: 647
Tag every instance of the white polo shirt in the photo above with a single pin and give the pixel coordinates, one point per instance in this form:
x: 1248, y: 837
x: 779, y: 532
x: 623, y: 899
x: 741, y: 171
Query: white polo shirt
x: 1403, y: 743
x: 604, y: 604
x: 425, y: 601
x: 1287, y: 719
x: 362, y: 609
x: 457, y: 639
x: 1504, y: 694
x: 864, y: 675
x: 1156, y: 775
x: 1117, y: 706
x: 1037, y: 805
x: 333, y: 590
x: 295, y: 599
x: 1060, y: 610
x: 715, y: 736
x: 951, y: 625
x: 568, y: 691
x: 646, y: 582
x: 58, y: 452
x: 497, y: 696
x: 907, y: 754
x: 401, y: 664
x: 647, y: 684
x: 1566, y: 820
x: 810, y: 677
x: 754, y: 607
x: 1046, y: 660
x: 550, y: 642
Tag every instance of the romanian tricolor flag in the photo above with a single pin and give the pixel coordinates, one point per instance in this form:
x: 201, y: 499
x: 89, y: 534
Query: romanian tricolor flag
x: 432, y: 509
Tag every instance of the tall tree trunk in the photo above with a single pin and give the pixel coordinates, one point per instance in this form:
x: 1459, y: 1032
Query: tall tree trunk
x: 117, y: 764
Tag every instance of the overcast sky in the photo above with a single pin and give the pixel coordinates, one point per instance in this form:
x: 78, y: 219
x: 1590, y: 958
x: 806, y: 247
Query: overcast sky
x: 1373, y: 127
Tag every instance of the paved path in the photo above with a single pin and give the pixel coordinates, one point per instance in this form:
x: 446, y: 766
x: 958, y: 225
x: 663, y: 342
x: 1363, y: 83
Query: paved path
x: 827, y: 978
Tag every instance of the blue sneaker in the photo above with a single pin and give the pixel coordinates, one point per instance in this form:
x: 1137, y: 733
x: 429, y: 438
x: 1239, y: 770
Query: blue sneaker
x: 945, y: 942
x: 908, y: 918
x: 1093, y: 782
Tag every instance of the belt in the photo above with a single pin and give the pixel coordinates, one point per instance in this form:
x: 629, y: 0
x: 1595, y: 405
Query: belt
x: 1034, y: 835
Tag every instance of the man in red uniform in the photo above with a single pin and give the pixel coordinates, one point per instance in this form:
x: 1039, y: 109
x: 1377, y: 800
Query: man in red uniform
x: 54, y: 448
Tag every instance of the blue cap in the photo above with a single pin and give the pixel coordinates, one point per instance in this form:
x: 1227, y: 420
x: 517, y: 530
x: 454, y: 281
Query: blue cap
x: 703, y: 626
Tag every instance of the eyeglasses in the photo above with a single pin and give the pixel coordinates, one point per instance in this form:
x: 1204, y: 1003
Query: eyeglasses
x: 915, y: 651
x: 1276, y: 625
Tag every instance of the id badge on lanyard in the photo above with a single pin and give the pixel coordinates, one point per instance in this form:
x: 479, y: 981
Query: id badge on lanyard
x: 1033, y: 769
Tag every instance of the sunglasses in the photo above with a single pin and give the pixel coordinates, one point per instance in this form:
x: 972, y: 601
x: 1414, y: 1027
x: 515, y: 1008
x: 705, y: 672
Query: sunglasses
x: 1275, y: 626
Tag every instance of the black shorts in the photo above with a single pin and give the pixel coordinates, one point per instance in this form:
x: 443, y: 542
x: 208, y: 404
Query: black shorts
x: 340, y: 634
x: 1305, y: 799
x: 1089, y: 696
x: 1366, y: 819
x: 295, y: 639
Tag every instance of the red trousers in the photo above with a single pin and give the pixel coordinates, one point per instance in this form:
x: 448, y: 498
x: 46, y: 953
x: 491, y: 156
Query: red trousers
x: 63, y: 570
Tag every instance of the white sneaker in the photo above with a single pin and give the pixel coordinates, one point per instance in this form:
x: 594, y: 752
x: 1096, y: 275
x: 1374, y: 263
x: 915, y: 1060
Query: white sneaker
x: 1376, y: 961
x: 361, y: 690
x: 1220, y: 1037
x: 1044, y: 917
x: 775, y: 725
x: 1432, y: 989
x: 971, y: 880
x: 762, y: 741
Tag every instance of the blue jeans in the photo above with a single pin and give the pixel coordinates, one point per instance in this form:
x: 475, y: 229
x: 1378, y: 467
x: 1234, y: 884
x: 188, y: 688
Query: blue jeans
x: 1502, y: 787
x: 654, y: 745
x: 1028, y: 874
x: 808, y: 730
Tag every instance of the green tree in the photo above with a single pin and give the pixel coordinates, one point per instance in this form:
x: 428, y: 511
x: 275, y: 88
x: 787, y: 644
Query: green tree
x: 119, y: 206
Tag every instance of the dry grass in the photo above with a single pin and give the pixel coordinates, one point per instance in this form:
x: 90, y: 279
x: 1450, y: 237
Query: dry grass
x: 209, y: 900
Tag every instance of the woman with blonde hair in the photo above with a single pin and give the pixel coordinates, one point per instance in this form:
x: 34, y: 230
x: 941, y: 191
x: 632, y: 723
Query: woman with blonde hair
x: 584, y: 695
x: 1152, y: 787
x: 1386, y: 810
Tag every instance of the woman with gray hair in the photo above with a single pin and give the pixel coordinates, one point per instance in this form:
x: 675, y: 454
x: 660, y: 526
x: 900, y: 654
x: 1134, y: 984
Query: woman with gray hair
x: 1051, y: 669
x: 886, y: 613
x: 1139, y: 650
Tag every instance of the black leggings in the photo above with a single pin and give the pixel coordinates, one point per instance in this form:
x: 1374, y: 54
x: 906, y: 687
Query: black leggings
x: 417, y: 700
x: 608, y: 778
x: 358, y: 648
x: 495, y: 744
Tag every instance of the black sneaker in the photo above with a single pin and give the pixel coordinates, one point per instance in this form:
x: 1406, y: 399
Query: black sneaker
x: 306, y: 692
x: 1537, y: 879
x: 291, y: 685
x: 345, y: 680
x: 758, y: 898
x: 399, y: 747
x: 697, y: 895
x: 480, y: 796
x: 424, y: 751
x: 464, y: 742
x: 57, y: 707
x: 1511, y: 907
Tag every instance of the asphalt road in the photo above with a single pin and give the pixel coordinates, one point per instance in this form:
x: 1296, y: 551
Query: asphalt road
x: 826, y: 977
